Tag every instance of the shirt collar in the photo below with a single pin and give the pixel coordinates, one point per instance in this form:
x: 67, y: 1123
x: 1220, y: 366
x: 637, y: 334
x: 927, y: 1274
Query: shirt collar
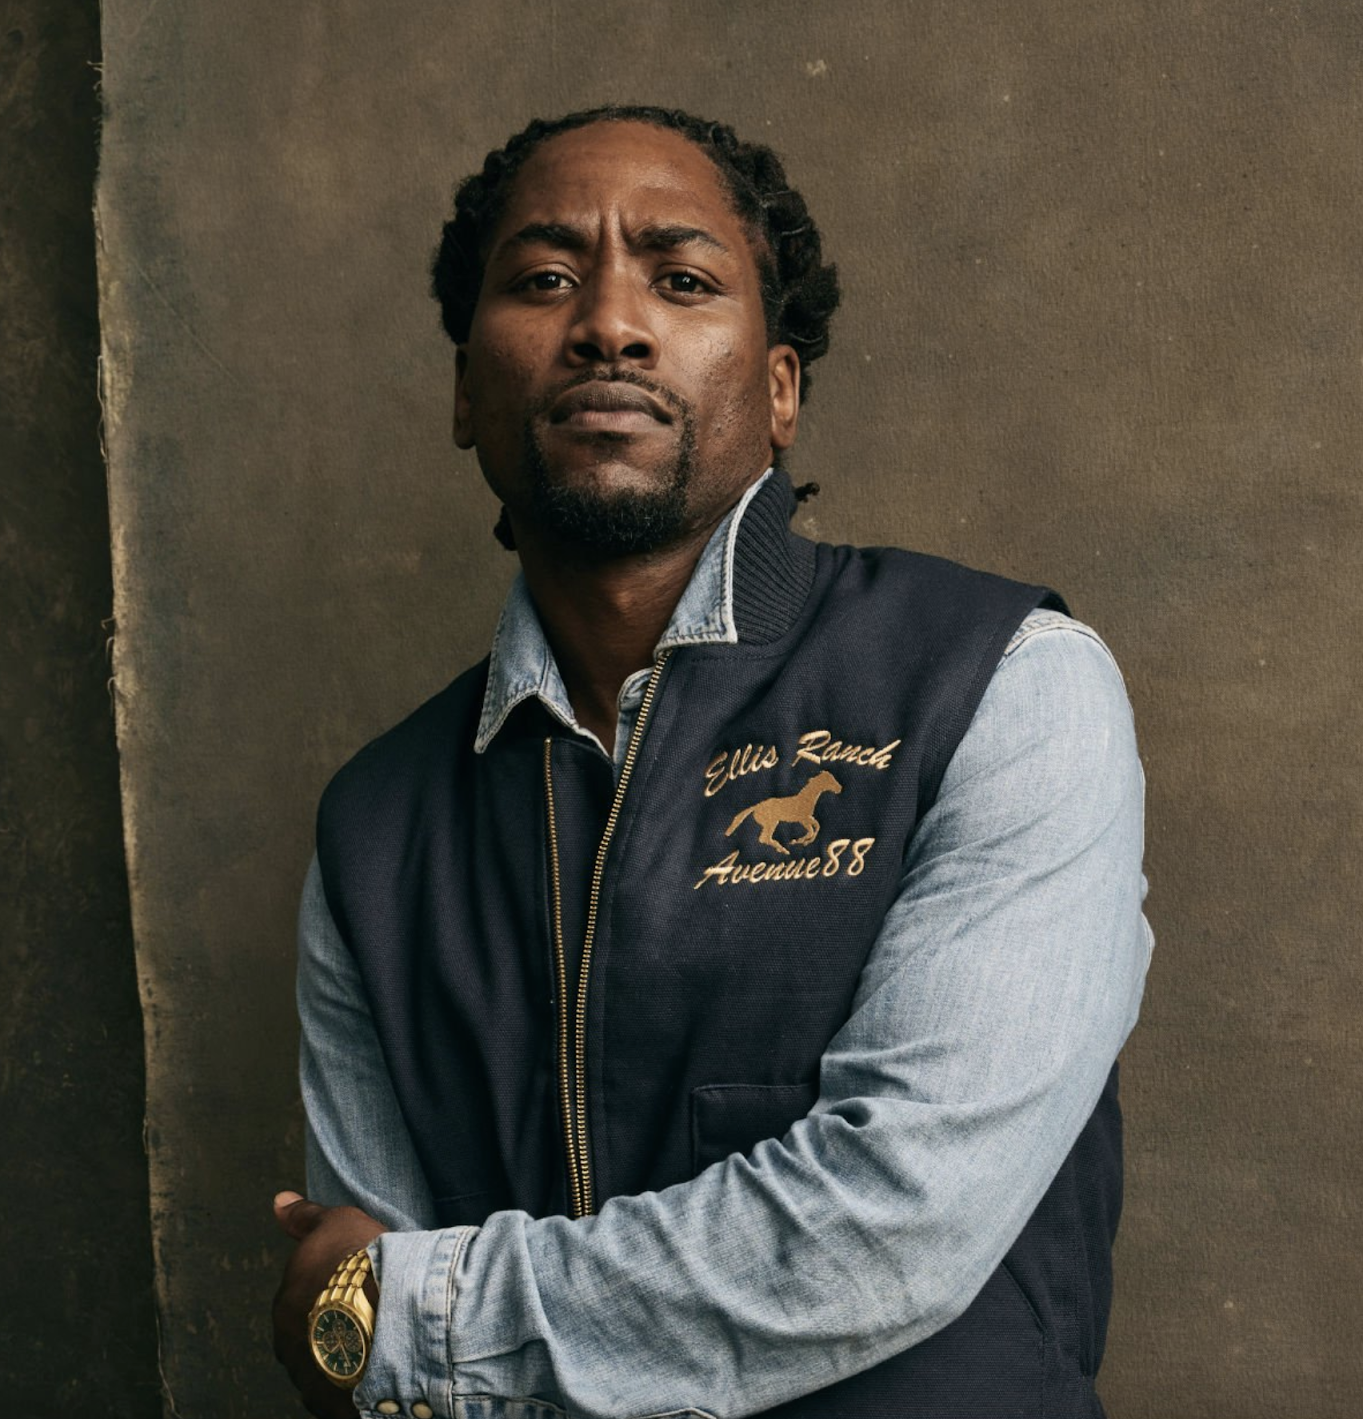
x: 522, y: 665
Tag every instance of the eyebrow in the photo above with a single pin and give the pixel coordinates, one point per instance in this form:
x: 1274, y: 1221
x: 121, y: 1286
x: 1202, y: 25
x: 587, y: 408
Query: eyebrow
x: 651, y: 238
x: 558, y: 234
x: 672, y: 237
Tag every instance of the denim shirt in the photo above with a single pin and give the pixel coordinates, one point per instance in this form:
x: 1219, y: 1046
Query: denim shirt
x: 996, y: 997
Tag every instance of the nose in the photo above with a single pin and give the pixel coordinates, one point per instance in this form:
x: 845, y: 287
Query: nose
x: 612, y: 321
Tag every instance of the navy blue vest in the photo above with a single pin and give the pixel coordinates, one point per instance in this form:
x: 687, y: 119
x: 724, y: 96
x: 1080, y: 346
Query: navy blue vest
x: 756, y: 848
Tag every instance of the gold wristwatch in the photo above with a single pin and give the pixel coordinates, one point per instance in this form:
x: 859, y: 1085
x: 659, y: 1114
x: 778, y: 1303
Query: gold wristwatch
x: 341, y: 1323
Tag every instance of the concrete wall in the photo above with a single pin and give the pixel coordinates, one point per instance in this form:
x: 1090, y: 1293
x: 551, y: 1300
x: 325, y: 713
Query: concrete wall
x: 76, y: 1322
x: 1102, y: 329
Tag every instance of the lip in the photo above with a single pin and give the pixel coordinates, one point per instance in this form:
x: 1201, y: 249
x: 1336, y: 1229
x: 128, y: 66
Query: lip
x: 602, y: 404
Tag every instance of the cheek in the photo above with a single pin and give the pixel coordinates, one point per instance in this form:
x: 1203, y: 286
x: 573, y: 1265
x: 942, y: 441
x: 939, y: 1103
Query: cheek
x: 498, y: 379
x: 736, y: 390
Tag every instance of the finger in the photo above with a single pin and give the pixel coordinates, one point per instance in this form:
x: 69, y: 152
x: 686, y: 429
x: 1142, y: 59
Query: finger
x: 296, y: 1215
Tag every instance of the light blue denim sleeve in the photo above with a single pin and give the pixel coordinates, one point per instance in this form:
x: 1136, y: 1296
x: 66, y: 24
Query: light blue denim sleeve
x: 358, y: 1150
x: 1000, y: 989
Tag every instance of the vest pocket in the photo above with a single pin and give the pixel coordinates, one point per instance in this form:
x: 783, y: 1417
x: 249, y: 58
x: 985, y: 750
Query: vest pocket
x: 734, y: 1118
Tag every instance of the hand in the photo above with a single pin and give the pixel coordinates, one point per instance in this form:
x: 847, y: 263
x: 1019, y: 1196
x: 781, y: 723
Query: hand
x: 325, y: 1237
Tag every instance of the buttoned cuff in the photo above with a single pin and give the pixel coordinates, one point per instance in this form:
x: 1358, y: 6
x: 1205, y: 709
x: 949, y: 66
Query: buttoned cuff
x: 409, y: 1371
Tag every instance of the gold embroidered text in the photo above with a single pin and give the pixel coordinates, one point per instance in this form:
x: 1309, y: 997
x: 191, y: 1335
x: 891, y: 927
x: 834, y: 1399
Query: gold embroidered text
x: 748, y: 760
x: 729, y: 871
x: 819, y: 747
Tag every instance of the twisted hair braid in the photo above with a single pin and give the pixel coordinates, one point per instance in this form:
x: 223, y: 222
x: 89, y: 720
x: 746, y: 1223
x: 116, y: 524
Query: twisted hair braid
x: 799, y: 289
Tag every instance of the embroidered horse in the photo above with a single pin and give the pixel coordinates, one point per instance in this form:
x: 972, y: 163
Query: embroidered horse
x: 798, y: 808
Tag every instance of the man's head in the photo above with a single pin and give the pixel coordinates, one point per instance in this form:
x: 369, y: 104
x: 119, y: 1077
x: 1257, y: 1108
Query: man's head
x: 634, y: 295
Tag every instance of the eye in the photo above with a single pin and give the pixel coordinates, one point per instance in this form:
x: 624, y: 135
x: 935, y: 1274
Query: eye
x: 548, y: 281
x: 685, y: 283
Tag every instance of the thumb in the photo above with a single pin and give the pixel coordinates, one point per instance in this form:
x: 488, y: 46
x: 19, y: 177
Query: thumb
x: 296, y: 1215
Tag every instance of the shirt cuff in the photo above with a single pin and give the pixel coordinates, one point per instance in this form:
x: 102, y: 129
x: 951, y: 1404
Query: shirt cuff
x: 409, y: 1371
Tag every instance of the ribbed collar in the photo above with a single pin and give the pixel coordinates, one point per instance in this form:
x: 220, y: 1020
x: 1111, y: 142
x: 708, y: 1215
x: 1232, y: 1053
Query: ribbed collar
x: 747, y: 584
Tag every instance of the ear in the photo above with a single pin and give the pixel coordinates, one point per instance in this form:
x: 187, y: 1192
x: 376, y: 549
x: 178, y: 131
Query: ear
x: 463, y: 408
x: 783, y: 367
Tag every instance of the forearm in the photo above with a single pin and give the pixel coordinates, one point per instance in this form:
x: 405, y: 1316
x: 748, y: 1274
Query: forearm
x: 763, y: 1279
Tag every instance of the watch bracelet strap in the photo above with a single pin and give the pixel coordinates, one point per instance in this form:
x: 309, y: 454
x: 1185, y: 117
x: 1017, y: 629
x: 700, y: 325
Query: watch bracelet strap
x: 347, y: 1284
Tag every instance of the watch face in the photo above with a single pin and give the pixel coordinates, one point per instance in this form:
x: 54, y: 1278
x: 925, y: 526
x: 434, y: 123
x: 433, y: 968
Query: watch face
x: 338, y: 1344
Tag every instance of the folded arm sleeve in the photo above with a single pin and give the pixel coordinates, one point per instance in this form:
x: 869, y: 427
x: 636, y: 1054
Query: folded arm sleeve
x: 359, y: 1152
x: 989, y: 1013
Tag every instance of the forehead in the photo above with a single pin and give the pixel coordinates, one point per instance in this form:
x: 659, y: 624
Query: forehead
x: 635, y: 171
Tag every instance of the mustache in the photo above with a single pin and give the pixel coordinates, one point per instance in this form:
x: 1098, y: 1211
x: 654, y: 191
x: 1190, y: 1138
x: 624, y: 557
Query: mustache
x: 673, y: 402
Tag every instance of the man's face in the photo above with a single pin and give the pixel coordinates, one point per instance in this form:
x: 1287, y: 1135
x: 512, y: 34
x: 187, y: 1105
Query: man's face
x: 616, y: 381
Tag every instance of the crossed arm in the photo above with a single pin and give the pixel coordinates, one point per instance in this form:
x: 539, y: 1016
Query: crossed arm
x: 1002, y: 985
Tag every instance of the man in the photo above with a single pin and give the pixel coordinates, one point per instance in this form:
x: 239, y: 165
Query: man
x: 710, y: 1002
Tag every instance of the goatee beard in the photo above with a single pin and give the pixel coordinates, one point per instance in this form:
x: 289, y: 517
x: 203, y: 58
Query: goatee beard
x: 624, y: 523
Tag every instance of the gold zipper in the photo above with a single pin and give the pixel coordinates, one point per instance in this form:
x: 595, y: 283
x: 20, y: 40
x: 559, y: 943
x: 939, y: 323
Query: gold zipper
x: 573, y: 1089
x: 561, y: 971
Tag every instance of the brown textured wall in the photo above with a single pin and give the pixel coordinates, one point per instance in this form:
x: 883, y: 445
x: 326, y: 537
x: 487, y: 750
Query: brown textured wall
x: 76, y: 1322
x: 1102, y: 329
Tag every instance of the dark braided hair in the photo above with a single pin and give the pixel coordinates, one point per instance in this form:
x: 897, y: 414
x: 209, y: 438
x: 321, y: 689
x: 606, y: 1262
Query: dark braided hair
x: 799, y: 290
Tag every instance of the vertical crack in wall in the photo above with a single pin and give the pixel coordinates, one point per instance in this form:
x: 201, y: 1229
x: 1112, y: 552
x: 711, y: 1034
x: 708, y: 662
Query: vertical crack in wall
x: 77, y: 1329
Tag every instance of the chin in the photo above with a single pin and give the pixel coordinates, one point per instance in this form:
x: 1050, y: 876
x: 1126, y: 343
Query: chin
x: 617, y: 522
x: 607, y: 503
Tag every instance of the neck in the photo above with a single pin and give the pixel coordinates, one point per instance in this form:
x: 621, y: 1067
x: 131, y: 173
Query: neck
x: 603, y: 618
